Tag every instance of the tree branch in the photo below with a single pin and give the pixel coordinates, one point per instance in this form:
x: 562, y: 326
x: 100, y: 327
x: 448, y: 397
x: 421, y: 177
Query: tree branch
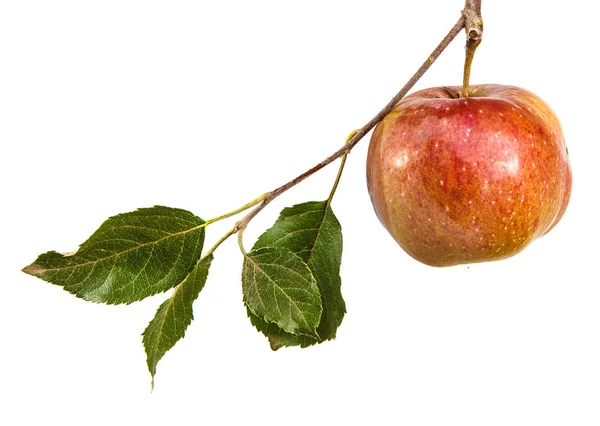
x: 470, y: 19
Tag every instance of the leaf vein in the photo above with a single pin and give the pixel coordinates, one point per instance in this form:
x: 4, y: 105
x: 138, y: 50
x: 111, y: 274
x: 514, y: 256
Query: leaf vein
x: 185, y: 232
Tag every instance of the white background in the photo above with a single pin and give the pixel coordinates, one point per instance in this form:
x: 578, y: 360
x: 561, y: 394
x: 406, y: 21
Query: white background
x: 203, y: 105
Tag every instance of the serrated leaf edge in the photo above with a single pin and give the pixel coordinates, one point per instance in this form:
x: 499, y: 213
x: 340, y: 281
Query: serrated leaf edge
x: 297, y: 332
x: 171, y: 298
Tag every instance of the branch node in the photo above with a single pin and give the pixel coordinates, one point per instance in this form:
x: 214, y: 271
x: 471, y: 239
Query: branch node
x: 473, y: 21
x: 474, y: 28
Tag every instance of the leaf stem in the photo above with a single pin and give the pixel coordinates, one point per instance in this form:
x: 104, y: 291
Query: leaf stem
x: 236, y: 211
x: 240, y: 239
x: 337, y: 178
x: 341, y: 169
x: 471, y: 13
x: 218, y: 243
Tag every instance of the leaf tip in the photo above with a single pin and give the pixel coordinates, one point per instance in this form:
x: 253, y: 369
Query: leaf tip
x: 274, y: 342
x: 152, y: 370
x: 34, y: 270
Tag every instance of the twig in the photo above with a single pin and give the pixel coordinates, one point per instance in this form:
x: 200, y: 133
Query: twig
x: 470, y: 19
x: 473, y: 21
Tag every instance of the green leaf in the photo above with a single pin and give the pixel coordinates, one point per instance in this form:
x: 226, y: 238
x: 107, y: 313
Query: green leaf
x: 130, y: 257
x: 174, y: 315
x: 279, y: 288
x: 311, y: 231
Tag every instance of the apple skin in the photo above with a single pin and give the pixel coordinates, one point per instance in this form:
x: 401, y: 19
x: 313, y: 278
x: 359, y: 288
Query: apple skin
x: 462, y: 180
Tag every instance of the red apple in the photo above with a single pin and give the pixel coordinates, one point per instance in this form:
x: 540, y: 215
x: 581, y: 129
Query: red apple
x: 461, y: 180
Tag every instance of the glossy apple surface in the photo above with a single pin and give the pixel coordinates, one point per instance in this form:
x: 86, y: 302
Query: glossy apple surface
x: 461, y: 180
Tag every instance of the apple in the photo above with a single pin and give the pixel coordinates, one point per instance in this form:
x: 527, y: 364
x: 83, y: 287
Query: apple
x: 460, y: 180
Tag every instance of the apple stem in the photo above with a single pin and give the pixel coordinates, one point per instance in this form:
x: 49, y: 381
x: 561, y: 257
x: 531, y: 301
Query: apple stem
x: 469, y: 54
